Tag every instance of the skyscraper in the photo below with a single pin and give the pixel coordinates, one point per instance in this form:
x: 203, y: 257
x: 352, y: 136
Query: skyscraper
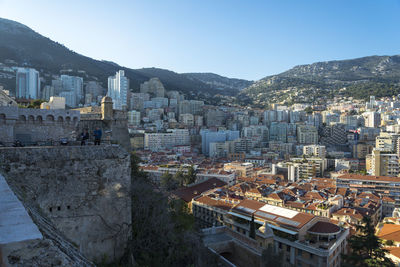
x: 118, y: 87
x: 28, y: 83
x: 74, y: 86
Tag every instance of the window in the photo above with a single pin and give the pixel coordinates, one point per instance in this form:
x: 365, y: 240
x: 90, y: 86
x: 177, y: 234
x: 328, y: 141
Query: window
x: 287, y: 248
x: 58, y: 208
x: 51, y: 209
x: 299, y: 252
x: 280, y: 245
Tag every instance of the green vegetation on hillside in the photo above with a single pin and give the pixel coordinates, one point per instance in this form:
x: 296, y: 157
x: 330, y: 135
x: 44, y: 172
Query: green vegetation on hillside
x: 163, y: 232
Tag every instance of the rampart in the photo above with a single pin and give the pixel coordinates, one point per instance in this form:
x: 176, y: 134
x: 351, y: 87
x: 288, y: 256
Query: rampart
x: 84, y: 191
x: 34, y: 125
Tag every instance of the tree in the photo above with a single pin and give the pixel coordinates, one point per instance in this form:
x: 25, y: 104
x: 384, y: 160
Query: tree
x: 168, y: 182
x: 252, y: 233
x: 179, y: 177
x: 162, y: 231
x: 36, y: 103
x: 308, y: 110
x: 366, y: 249
x: 190, y: 177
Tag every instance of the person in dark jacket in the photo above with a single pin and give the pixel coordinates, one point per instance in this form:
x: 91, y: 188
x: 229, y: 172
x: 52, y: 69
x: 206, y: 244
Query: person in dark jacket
x: 84, y: 137
x: 97, y: 136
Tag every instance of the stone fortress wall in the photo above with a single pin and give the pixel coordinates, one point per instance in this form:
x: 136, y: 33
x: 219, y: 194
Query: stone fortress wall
x: 36, y: 125
x: 41, y: 125
x: 84, y: 191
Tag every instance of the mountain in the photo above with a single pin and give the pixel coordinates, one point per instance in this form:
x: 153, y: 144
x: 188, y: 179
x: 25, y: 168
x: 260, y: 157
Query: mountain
x: 21, y: 46
x: 220, y: 82
x: 359, y: 78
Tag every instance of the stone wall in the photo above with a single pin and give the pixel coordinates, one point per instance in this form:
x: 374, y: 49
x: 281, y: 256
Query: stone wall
x: 37, y: 125
x: 84, y: 191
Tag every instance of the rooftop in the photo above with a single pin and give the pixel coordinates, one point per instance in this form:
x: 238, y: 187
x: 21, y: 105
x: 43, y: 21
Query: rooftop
x: 369, y: 178
x: 278, y: 215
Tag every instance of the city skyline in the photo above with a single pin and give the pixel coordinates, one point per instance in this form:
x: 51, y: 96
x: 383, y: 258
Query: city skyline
x: 233, y: 39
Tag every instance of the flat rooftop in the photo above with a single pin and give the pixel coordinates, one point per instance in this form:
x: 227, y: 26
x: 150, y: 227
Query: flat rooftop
x: 278, y: 215
x: 15, y: 223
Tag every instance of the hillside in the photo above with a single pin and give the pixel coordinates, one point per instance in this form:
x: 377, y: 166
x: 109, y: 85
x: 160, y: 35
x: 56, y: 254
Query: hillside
x: 360, y: 77
x: 220, y: 82
x: 21, y: 46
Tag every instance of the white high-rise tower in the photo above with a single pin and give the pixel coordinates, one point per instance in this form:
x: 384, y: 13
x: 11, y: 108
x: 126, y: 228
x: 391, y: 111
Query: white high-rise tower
x: 118, y: 87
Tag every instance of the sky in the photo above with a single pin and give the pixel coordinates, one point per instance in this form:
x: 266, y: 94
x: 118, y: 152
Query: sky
x: 238, y: 39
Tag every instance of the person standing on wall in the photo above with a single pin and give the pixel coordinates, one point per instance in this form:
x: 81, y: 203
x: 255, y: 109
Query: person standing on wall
x: 97, y: 136
x: 84, y: 137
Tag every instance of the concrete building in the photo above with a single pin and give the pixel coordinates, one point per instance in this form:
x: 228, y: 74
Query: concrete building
x: 153, y: 87
x: 314, y: 150
x: 55, y: 102
x: 187, y: 119
x: 242, y: 169
x: 118, y: 89
x: 278, y: 131
x: 208, y: 137
x: 47, y: 92
x: 167, y: 140
x: 381, y: 185
x: 137, y: 101
x: 382, y: 163
x: 307, y: 134
x: 303, y: 239
x: 133, y: 118
x: 74, y: 86
x: 28, y: 83
x: 387, y: 142
x: 372, y: 119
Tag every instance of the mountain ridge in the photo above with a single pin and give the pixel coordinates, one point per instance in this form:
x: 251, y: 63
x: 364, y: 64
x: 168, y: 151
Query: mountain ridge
x: 26, y: 47
x: 358, y: 77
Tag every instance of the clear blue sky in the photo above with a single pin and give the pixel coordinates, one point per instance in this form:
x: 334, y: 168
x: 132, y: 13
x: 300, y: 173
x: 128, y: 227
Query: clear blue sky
x: 243, y: 39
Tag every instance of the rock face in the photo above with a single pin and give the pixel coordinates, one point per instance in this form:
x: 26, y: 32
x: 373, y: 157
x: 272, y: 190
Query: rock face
x: 40, y: 253
x: 83, y: 191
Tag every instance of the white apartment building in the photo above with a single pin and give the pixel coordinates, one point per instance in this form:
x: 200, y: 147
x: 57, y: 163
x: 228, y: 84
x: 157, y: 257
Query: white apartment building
x: 160, y: 141
x: 314, y: 150
x: 118, y: 87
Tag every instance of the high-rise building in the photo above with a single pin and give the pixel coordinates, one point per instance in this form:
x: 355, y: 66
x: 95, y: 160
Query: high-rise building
x: 153, y: 87
x: 382, y: 163
x: 118, y: 87
x: 133, y: 118
x: 278, y: 131
x: 372, y: 119
x: 28, y: 83
x: 70, y: 99
x: 47, y: 92
x: 138, y: 99
x: 307, y: 134
x: 208, y: 137
x: 73, y: 85
x: 95, y: 89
